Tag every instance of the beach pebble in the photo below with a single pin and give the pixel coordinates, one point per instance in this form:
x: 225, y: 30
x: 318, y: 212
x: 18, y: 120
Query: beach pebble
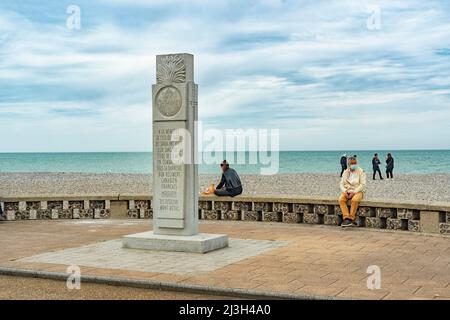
x: 426, y: 187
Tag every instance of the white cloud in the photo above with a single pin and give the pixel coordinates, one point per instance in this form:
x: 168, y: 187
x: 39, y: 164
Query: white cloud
x: 273, y: 64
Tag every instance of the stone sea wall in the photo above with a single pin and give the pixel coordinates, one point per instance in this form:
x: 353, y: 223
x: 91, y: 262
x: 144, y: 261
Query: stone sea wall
x: 401, y: 216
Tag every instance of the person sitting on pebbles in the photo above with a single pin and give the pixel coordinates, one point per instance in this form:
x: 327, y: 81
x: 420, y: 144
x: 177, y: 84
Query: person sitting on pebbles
x: 353, y: 187
x: 230, y: 184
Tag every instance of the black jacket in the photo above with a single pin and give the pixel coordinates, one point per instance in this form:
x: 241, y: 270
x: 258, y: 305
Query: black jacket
x: 230, y: 180
x: 390, y: 163
x: 376, y: 163
x: 344, y: 162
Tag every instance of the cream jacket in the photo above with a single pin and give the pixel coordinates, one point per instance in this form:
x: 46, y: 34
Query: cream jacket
x: 358, y: 185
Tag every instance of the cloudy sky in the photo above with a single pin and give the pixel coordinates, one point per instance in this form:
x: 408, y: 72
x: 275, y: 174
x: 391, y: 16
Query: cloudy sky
x: 329, y: 74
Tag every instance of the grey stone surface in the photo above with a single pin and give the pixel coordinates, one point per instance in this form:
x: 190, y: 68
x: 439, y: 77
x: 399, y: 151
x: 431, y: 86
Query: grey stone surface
x: 229, y: 215
x: 175, y: 172
x: 414, y: 225
x: 111, y: 255
x: 384, y: 212
x: 199, y: 243
x: 364, y: 211
x: 311, y: 218
x: 302, y: 208
x: 281, y: 207
x: 250, y: 215
x: 262, y: 206
x: 429, y: 221
x: 408, y: 214
x: 331, y: 219
x: 271, y: 217
x: 222, y: 205
x: 291, y: 217
x: 210, y: 215
x: 444, y: 228
x: 175, y: 180
x: 373, y: 222
x: 394, y: 224
x: 247, y: 206
x: 205, y: 205
x: 320, y: 209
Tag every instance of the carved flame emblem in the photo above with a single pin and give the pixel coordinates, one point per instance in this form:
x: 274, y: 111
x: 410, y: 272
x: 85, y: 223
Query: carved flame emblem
x: 171, y: 70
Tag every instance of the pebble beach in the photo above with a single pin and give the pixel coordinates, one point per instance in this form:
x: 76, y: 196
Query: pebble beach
x: 411, y: 187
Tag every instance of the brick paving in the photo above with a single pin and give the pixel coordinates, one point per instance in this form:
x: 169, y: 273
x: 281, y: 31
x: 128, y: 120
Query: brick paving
x: 318, y: 260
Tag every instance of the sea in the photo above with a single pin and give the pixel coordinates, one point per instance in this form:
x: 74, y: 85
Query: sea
x: 406, y: 161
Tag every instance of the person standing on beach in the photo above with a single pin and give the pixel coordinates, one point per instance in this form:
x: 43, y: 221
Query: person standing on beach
x: 353, y: 187
x: 1, y: 211
x: 230, y: 184
x: 376, y: 166
x: 389, y: 166
x: 343, y: 163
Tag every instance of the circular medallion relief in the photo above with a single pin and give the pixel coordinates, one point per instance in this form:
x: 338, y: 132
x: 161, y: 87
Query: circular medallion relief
x: 168, y: 101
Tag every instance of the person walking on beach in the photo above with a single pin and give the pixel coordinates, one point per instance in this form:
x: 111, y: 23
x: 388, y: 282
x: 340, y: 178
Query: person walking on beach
x: 376, y: 166
x: 230, y: 184
x: 389, y: 166
x: 343, y: 163
x: 353, y: 187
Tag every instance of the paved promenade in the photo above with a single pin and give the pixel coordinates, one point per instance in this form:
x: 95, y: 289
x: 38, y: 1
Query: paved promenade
x: 264, y: 257
x: 24, y: 288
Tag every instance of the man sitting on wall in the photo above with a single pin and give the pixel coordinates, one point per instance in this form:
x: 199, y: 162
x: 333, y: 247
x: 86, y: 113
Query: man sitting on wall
x: 230, y: 184
x: 353, y: 187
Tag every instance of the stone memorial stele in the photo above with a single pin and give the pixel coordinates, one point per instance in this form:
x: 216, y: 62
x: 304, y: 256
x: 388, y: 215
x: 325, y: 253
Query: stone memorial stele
x: 175, y: 174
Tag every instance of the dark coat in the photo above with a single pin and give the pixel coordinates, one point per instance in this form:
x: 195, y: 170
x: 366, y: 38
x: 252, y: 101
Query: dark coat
x: 376, y: 163
x: 390, y: 163
x: 230, y: 180
x: 344, y: 162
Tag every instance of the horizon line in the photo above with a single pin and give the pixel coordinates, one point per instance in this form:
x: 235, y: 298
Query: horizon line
x: 304, y: 150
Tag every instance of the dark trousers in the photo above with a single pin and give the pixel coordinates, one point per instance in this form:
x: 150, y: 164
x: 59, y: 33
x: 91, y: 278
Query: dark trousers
x: 228, y: 193
x: 342, y: 171
x: 375, y: 170
x: 389, y: 173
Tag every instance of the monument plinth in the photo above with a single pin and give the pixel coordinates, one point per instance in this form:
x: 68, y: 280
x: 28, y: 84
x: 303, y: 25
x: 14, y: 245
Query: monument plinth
x: 175, y: 174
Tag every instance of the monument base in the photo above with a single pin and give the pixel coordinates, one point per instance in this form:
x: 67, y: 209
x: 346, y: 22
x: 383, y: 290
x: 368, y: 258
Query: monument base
x: 199, y: 243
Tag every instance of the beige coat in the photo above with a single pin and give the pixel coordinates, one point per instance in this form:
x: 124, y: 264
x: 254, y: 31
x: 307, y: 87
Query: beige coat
x: 358, y: 185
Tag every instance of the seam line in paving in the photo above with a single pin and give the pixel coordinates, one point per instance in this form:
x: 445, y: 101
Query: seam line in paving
x: 166, y: 286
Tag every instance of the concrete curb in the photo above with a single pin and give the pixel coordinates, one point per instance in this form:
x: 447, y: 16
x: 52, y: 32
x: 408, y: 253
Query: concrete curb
x: 166, y: 286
